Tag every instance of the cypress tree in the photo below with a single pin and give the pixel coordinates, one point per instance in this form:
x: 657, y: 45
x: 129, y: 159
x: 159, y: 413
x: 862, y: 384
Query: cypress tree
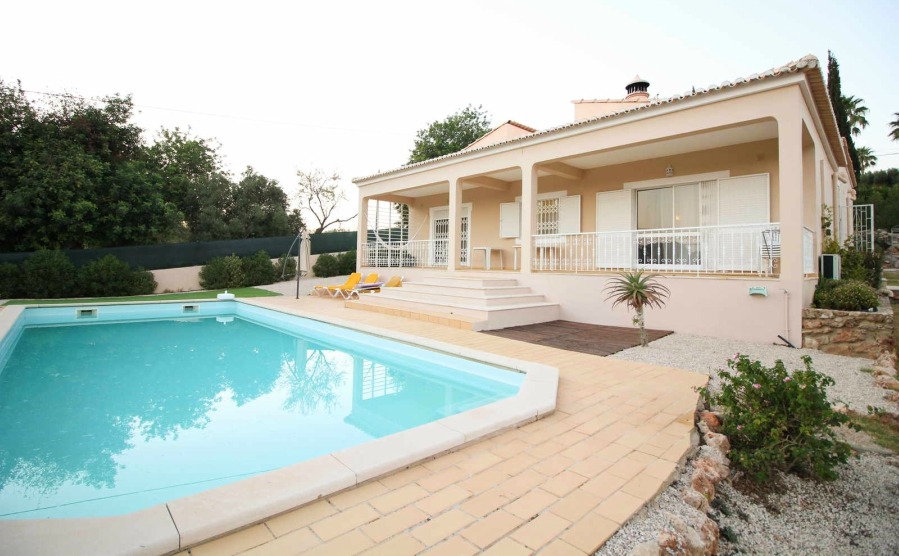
x: 836, y: 100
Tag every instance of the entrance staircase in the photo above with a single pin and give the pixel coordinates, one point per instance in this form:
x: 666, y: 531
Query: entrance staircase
x: 470, y: 302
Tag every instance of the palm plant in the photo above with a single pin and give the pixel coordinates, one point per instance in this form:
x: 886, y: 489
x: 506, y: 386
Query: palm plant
x: 894, y: 125
x: 637, y: 291
x: 866, y: 158
x: 856, y: 113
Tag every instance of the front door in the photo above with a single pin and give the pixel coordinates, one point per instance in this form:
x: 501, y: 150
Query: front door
x: 439, y: 251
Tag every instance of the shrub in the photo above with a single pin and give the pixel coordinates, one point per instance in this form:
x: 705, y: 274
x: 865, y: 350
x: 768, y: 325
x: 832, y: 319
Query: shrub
x: 286, y: 267
x: 864, y: 266
x: 778, y: 420
x: 845, y: 295
x: 110, y: 276
x: 10, y: 281
x: 258, y: 269
x: 47, y: 275
x: 346, y: 262
x: 326, y: 266
x: 222, y: 272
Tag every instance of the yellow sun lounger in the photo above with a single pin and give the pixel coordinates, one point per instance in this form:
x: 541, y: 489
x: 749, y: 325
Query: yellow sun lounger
x: 350, y: 283
x: 374, y: 287
x: 341, y: 290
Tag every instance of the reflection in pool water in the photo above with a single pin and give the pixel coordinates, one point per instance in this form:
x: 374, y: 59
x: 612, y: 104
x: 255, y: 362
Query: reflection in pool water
x: 103, y: 419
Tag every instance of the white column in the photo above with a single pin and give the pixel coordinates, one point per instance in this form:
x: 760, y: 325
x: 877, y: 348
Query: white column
x: 790, y: 180
x: 455, y: 224
x: 362, y: 233
x: 528, y: 214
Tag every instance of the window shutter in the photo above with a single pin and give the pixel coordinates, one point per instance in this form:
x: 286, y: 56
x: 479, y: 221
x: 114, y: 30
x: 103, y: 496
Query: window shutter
x: 570, y: 215
x: 613, y: 211
x: 743, y: 200
x: 510, y: 219
x: 614, y: 214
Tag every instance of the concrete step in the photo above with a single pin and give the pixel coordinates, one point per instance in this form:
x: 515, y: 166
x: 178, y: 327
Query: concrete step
x: 455, y: 296
x: 465, y: 290
x: 467, y: 281
x: 479, y: 317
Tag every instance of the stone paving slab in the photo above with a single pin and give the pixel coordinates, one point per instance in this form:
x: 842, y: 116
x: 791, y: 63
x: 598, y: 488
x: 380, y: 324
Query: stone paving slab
x: 560, y: 485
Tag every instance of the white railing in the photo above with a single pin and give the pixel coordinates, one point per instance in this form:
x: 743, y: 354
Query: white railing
x: 418, y: 253
x: 808, y: 251
x: 740, y: 249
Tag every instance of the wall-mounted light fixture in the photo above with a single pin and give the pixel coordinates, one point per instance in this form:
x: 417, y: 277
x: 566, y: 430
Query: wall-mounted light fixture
x: 669, y: 171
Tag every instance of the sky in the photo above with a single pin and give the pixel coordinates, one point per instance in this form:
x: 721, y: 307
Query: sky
x: 344, y: 86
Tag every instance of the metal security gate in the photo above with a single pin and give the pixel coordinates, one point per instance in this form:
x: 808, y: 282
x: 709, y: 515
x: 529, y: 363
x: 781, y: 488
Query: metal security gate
x: 439, y: 253
x: 863, y: 227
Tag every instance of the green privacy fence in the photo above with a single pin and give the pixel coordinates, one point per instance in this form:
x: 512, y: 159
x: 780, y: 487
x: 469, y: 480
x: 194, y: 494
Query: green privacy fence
x: 175, y: 255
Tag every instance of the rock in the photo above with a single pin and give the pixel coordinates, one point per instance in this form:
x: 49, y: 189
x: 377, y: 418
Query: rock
x: 886, y: 292
x: 892, y: 397
x: 710, y: 535
x: 886, y: 359
x: 694, y: 499
x: 710, y: 419
x: 703, y: 483
x: 715, y: 470
x: 718, y: 441
x: 887, y: 382
x: 881, y: 371
x: 648, y: 548
x: 688, y: 540
x: 671, y: 544
x: 703, y: 428
x: 715, y: 454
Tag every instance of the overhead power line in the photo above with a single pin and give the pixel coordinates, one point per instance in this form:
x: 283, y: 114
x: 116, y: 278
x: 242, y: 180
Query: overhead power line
x: 231, y: 117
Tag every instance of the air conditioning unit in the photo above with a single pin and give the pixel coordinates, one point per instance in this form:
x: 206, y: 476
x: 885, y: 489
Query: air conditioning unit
x: 829, y: 267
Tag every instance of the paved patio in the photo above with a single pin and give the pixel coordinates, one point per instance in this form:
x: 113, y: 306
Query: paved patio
x: 560, y: 485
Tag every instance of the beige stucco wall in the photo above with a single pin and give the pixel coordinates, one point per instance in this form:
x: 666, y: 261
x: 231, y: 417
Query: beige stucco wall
x: 749, y: 158
x: 707, y: 306
x: 184, y: 279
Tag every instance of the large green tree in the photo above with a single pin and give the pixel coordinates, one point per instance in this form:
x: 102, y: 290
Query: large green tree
x: 881, y: 188
x: 192, y: 177
x: 258, y: 207
x: 75, y: 174
x: 452, y: 134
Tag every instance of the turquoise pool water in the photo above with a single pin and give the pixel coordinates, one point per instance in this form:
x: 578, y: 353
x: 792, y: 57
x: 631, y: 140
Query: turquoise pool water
x: 110, y: 412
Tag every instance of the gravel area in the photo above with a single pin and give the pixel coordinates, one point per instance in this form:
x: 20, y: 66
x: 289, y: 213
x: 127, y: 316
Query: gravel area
x: 858, y: 514
x: 703, y: 354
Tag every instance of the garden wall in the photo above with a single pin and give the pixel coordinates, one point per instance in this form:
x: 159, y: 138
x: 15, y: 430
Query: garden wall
x: 852, y: 333
x: 187, y: 279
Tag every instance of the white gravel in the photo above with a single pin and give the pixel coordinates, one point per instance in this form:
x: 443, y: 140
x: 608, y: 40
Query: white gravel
x: 856, y: 514
x: 706, y: 355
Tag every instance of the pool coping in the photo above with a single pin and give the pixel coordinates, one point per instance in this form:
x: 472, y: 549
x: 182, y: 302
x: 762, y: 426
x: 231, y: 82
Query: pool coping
x: 184, y: 522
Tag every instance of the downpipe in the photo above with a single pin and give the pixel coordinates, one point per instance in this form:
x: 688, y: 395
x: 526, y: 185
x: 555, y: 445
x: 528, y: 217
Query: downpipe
x: 786, y: 320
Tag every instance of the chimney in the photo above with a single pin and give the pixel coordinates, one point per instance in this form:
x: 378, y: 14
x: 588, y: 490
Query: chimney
x: 637, y: 89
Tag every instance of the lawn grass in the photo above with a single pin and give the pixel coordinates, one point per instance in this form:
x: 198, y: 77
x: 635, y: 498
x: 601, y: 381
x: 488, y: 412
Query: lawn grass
x: 881, y: 426
x: 207, y: 294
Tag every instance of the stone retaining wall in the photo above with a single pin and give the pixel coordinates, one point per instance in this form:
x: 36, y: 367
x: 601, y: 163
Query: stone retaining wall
x: 849, y: 332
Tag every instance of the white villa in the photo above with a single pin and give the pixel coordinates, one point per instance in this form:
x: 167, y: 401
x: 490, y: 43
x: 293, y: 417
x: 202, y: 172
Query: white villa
x: 720, y: 191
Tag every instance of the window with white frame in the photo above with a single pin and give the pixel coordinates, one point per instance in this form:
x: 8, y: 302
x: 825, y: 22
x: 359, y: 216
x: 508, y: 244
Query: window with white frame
x: 557, y: 213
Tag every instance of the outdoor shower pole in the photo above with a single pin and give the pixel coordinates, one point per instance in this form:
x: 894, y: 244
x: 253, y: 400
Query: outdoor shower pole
x: 299, y: 248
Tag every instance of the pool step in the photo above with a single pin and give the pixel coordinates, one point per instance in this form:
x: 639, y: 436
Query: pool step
x: 471, y: 303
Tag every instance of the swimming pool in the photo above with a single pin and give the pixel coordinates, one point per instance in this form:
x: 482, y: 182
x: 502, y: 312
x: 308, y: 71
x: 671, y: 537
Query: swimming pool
x: 182, y: 522
x: 109, y: 410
